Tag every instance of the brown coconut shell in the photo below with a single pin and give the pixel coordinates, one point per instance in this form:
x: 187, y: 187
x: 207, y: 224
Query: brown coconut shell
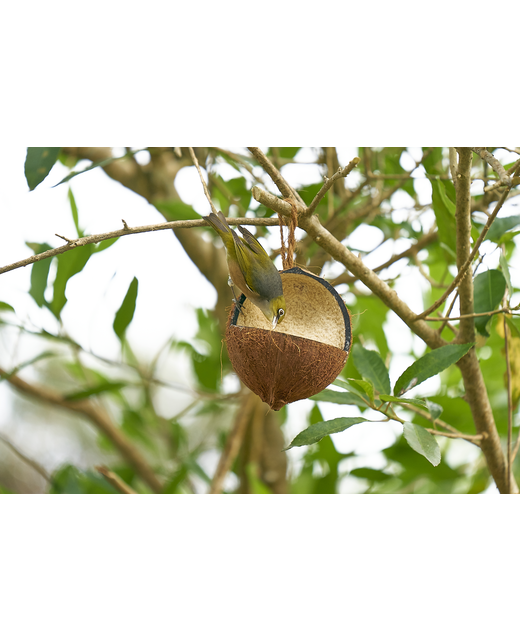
x: 304, y: 354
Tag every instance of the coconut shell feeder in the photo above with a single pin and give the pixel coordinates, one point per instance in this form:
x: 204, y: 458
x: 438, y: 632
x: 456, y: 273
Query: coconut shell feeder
x: 304, y: 354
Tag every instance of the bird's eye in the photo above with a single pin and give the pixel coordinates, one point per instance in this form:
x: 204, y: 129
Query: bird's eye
x: 281, y: 313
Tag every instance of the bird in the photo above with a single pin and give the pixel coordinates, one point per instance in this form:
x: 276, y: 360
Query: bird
x: 251, y: 269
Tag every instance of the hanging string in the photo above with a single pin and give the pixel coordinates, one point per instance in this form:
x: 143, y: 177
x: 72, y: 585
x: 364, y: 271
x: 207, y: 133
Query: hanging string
x: 287, y: 252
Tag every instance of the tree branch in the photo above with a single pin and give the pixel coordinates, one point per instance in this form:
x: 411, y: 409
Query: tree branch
x: 509, y: 409
x: 115, y: 480
x: 204, y: 186
x: 341, y: 173
x: 463, y: 231
x: 504, y: 177
x: 98, y: 417
x: 32, y: 463
x: 233, y: 443
x: 126, y: 231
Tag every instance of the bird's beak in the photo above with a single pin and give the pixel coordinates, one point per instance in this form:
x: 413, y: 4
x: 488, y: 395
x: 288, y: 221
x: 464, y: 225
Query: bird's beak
x: 275, y: 322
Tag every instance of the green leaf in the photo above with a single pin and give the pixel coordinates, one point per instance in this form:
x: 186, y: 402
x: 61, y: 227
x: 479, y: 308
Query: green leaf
x: 6, y: 307
x: 104, y: 244
x: 364, y: 387
x: 39, y: 273
x: 74, y: 210
x: 256, y: 484
x: 360, y: 388
x: 338, y: 397
x: 68, y: 479
x: 317, y: 431
x: 429, y: 365
x: 423, y: 442
x: 500, y: 226
x: 94, y: 165
x: 126, y: 311
x: 287, y: 152
x: 372, y: 475
x: 514, y: 325
x: 38, y: 163
x: 489, y: 288
x: 371, y: 366
x: 444, y: 210
x: 95, y: 390
x: 434, y: 409
x: 505, y: 270
x: 415, y: 402
x: 69, y: 264
x: 176, y: 210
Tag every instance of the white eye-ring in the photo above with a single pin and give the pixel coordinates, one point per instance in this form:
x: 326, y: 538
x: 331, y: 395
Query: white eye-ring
x: 281, y: 313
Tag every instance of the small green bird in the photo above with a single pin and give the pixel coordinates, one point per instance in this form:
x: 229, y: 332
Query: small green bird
x: 251, y: 269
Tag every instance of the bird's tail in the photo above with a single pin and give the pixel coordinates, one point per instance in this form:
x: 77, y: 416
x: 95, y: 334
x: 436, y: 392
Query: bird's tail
x: 218, y: 222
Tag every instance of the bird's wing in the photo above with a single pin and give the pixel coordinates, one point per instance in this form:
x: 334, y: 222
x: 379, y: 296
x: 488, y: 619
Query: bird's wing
x: 252, y: 242
x: 245, y: 257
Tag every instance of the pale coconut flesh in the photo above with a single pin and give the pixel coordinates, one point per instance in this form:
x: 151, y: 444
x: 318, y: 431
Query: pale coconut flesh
x: 313, y: 310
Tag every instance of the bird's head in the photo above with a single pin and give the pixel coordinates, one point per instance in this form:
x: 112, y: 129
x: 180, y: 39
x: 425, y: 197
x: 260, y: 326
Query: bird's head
x: 276, y: 310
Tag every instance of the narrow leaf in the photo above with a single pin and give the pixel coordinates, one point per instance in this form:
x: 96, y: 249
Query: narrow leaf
x: 372, y: 475
x: 423, y: 442
x: 434, y: 409
x: 489, y: 289
x: 364, y: 387
x: 69, y: 264
x: 6, y: 307
x: 429, y: 365
x: 176, y: 210
x: 371, y: 366
x: 505, y: 270
x: 514, y: 325
x: 74, y: 211
x: 38, y: 163
x: 444, y: 210
x: 338, y: 397
x: 126, y: 311
x: 317, y: 431
x: 95, y: 390
x: 94, y: 165
x: 500, y: 226
x: 104, y: 244
x: 360, y: 388
x: 39, y: 273
x: 415, y: 402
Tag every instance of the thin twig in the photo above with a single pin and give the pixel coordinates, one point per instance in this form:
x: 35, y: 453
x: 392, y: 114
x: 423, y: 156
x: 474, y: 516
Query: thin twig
x: 32, y: 463
x: 196, y: 163
x: 428, y: 416
x: 504, y: 177
x: 100, y: 237
x: 509, y: 408
x: 471, y: 315
x: 340, y: 173
x: 462, y: 436
x: 115, y: 480
x: 467, y: 264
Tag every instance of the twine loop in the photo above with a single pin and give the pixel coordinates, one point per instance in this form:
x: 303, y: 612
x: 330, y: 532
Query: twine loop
x: 287, y: 252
